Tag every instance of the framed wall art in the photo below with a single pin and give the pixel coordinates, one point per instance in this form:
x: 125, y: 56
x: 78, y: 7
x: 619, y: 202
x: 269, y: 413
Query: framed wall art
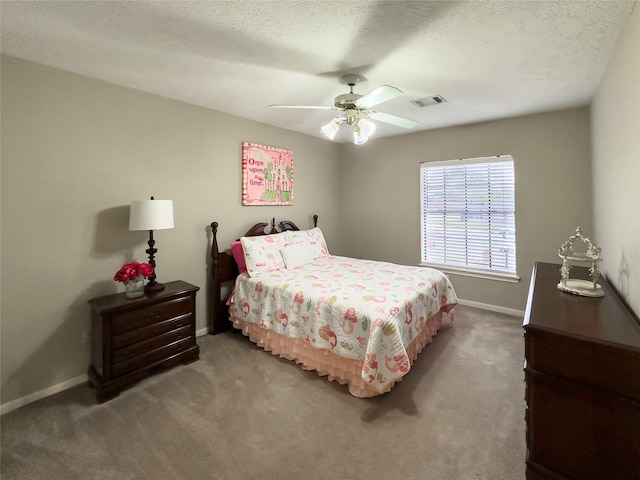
x: 267, y: 175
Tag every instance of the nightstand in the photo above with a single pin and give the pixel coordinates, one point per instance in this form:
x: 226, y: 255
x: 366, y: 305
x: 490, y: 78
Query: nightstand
x: 133, y: 337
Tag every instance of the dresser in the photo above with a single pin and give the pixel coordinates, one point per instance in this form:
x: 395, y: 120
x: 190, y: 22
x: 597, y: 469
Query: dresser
x: 133, y: 337
x: 582, y: 373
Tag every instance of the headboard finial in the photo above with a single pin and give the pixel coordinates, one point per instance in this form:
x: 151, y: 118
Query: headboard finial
x: 214, y: 242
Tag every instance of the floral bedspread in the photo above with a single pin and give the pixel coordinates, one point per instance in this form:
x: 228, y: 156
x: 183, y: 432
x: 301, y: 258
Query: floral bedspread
x: 358, y: 309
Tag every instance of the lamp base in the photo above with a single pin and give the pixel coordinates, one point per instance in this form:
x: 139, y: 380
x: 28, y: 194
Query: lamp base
x: 153, y: 287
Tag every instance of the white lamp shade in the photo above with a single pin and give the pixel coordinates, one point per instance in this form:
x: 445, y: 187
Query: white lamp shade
x: 151, y: 215
x: 359, y: 138
x: 367, y: 127
x: 330, y: 129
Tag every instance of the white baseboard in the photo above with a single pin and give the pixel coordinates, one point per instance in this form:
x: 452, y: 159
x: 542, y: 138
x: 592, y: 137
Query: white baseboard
x: 202, y: 332
x: 33, y: 397
x: 492, y: 308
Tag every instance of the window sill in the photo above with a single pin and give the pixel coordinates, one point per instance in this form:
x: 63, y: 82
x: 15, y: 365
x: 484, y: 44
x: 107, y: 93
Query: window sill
x: 468, y: 272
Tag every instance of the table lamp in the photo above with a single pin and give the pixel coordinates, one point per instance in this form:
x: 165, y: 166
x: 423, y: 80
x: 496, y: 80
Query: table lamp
x: 151, y: 215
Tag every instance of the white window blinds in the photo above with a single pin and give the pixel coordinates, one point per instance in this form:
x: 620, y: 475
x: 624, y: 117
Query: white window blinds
x: 468, y: 214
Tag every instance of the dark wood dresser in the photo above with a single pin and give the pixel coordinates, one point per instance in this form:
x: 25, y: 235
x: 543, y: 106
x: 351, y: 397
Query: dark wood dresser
x: 582, y: 372
x: 131, y: 337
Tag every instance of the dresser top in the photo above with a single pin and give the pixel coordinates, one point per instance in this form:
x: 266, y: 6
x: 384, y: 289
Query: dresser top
x: 602, y: 320
x: 118, y: 300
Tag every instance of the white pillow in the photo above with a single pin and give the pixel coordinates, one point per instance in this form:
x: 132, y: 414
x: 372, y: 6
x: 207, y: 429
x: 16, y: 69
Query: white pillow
x: 313, y: 237
x: 262, y: 253
x: 296, y: 255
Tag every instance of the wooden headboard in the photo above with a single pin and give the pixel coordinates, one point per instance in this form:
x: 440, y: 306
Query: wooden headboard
x: 224, y: 269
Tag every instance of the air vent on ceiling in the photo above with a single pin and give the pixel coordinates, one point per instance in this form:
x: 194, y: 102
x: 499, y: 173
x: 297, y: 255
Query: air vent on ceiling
x: 426, y: 101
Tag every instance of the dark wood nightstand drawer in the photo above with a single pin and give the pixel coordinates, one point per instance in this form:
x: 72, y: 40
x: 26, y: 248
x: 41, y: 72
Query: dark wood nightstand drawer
x: 135, y: 336
x: 147, y: 359
x: 150, y: 344
x: 134, y: 320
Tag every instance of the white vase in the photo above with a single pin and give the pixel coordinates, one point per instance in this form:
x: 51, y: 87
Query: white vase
x: 134, y: 287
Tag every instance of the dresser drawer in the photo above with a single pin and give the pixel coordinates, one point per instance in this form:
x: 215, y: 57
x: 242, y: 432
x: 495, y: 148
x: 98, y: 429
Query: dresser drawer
x: 147, y: 359
x: 607, y: 367
x: 600, y: 429
x: 125, y: 322
x: 135, y: 336
x: 151, y: 343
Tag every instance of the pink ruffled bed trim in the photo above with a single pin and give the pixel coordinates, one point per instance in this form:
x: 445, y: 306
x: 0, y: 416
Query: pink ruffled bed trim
x: 325, y: 363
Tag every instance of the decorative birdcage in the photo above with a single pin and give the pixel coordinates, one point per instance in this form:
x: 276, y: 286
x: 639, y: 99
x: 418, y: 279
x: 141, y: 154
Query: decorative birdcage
x: 590, y: 258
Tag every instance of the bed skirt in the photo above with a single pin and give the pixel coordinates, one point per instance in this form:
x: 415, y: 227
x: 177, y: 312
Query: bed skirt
x: 342, y: 370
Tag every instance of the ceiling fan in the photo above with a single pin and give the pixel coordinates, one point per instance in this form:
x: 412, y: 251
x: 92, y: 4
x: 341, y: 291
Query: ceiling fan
x: 355, y: 111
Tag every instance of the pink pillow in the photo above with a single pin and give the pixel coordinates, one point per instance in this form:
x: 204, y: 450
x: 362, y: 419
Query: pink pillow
x: 238, y: 254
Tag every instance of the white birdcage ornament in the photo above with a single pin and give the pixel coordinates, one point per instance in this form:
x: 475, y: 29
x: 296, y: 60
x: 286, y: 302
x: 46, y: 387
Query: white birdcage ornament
x: 590, y: 257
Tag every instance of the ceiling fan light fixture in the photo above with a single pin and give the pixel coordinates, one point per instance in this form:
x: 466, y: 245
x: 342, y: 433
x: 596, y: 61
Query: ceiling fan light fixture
x: 367, y: 127
x: 331, y: 129
x: 358, y: 137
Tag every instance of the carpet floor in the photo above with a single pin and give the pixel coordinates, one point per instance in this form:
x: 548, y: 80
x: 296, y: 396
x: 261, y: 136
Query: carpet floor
x: 241, y: 413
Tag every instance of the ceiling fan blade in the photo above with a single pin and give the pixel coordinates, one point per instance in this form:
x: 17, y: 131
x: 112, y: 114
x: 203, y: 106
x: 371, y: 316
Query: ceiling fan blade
x: 392, y: 119
x: 379, y: 95
x: 316, y: 107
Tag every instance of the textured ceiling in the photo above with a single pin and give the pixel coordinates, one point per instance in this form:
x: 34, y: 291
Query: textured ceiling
x: 488, y: 59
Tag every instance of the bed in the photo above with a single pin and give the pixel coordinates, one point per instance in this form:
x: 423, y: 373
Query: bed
x: 359, y: 322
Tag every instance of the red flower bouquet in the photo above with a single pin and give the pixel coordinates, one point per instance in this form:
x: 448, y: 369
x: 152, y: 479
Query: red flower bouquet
x: 132, y: 270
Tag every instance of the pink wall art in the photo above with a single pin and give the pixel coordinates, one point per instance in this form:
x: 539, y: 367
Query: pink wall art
x: 267, y: 175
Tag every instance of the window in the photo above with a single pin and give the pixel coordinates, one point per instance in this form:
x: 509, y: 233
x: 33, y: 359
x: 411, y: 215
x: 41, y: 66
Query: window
x: 468, y: 217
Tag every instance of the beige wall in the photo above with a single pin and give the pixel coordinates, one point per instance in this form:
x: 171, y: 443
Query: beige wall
x: 75, y: 153
x: 380, y: 192
x: 616, y: 164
